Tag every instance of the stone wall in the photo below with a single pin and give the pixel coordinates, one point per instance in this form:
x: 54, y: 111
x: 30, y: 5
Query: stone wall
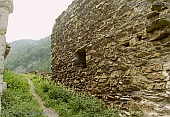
x: 116, y: 50
x: 6, y: 7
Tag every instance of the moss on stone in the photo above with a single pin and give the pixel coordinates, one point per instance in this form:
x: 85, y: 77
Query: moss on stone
x: 159, y: 7
x: 157, y: 25
x: 152, y: 15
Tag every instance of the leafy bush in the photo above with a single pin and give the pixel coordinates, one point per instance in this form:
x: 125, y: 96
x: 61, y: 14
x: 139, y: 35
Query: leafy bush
x: 58, y: 93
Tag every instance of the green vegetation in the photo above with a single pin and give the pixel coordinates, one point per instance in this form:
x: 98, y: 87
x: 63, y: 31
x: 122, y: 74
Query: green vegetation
x: 156, y: 25
x: 28, y: 55
x: 158, y: 7
x: 17, y: 100
x: 151, y: 15
x: 68, y: 103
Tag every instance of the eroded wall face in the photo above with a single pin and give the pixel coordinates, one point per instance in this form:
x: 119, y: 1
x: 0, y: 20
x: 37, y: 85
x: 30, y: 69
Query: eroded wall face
x: 6, y: 8
x: 127, y: 47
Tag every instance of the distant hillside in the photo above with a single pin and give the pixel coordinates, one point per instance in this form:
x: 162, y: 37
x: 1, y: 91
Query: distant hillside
x: 27, y: 55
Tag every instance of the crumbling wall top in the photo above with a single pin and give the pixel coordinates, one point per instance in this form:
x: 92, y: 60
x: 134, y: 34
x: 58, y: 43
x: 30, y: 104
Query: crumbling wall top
x: 7, y: 4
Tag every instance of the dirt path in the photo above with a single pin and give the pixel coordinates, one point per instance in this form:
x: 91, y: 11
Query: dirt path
x: 47, y: 111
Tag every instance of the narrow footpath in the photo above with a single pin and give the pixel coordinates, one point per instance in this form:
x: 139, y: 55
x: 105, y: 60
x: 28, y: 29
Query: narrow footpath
x: 47, y: 111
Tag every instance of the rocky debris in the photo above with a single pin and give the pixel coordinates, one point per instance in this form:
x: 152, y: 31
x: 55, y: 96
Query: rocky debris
x: 6, y: 8
x: 124, y: 52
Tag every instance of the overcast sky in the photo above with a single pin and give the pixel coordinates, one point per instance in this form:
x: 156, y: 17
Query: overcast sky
x: 34, y: 19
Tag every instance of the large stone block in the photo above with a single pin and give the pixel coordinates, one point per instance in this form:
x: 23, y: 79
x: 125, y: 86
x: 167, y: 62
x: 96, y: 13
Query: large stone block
x: 4, y: 20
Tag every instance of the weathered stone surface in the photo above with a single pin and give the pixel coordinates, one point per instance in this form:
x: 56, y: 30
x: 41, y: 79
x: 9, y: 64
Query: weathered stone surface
x: 127, y: 47
x: 160, y: 86
x: 6, y: 7
x: 153, y: 14
x: 147, y: 69
x: 168, y: 85
x: 115, y: 74
x: 158, y: 67
x: 167, y: 108
x: 158, y: 24
x: 7, y: 50
x: 155, y: 76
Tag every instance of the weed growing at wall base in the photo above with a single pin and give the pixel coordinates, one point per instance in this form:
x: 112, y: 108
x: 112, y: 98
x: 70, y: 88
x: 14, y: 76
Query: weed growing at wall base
x: 69, y: 103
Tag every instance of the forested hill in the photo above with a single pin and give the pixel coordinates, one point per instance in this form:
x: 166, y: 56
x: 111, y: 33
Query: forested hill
x: 27, y: 55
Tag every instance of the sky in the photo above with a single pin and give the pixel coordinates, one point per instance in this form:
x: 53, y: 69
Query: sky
x: 34, y: 19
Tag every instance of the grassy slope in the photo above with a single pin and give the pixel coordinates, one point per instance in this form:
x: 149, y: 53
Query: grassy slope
x: 17, y: 100
x: 68, y: 103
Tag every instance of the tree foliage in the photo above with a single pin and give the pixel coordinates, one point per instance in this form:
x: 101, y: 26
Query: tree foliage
x: 27, y: 55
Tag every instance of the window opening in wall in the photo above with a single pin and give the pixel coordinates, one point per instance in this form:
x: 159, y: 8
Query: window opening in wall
x: 80, y: 59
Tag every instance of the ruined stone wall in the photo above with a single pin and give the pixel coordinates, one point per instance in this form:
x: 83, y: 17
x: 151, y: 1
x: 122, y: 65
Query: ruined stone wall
x: 6, y: 7
x: 127, y: 49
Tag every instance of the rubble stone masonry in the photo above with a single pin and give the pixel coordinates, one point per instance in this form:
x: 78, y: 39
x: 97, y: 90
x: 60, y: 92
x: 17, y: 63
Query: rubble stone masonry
x: 6, y: 7
x: 116, y: 50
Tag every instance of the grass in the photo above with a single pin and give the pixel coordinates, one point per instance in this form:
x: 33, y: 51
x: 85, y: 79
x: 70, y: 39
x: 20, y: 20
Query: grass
x: 69, y: 103
x: 17, y: 100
